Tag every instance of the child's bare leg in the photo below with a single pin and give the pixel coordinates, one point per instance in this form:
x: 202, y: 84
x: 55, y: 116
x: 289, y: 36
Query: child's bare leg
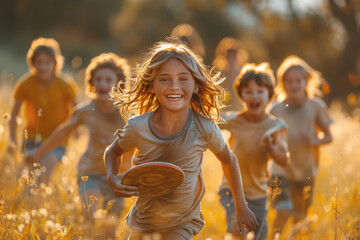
x: 281, y: 218
x: 87, y: 202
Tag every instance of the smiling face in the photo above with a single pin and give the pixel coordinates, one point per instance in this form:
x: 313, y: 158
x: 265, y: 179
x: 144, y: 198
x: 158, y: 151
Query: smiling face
x: 255, y: 97
x: 44, y: 64
x: 174, y: 86
x: 104, y: 79
x: 294, y: 85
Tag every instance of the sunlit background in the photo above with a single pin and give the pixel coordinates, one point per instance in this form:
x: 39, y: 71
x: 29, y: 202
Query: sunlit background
x: 325, y: 33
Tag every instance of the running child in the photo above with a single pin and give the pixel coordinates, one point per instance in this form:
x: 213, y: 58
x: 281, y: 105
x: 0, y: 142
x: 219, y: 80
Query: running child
x: 101, y: 118
x: 256, y: 138
x: 175, y: 101
x: 48, y: 97
x: 306, y: 116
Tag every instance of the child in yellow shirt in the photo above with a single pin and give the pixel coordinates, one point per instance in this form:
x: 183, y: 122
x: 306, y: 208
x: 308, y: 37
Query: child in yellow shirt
x: 47, y: 98
x: 101, y: 118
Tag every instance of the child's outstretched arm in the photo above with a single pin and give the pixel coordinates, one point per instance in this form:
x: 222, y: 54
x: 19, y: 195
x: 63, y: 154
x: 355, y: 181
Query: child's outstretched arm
x: 55, y: 139
x: 244, y: 216
x: 112, y: 159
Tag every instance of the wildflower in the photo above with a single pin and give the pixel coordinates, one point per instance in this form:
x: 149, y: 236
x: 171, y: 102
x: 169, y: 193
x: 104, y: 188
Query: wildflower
x: 5, y: 115
x: 92, y: 199
x: 33, y: 212
x: 109, y: 205
x: 2, y: 205
x: 84, y: 178
x: 11, y: 78
x: 43, y: 212
x: 99, y: 214
x: 25, y: 134
x: 21, y: 227
x: 11, y: 217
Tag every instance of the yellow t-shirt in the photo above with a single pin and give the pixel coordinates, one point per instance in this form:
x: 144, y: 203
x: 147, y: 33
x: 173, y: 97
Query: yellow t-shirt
x: 56, y: 102
x: 305, y: 118
x: 253, y: 161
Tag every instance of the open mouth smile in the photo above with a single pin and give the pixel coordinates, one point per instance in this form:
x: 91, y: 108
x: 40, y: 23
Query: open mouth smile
x: 174, y: 97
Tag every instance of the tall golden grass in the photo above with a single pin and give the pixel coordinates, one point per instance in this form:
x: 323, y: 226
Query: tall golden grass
x: 55, y: 211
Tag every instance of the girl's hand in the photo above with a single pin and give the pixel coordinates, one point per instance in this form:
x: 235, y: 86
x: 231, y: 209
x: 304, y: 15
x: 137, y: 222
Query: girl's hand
x: 120, y: 190
x: 246, y: 220
x: 266, y: 143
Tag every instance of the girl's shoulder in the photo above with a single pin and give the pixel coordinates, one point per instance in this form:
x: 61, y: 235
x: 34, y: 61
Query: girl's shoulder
x: 276, y: 121
x: 317, y: 102
x: 277, y: 105
x: 230, y: 115
x: 85, y: 106
x: 202, y: 122
x: 139, y: 120
x: 27, y: 78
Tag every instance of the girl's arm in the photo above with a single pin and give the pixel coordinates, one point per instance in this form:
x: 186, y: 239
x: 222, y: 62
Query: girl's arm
x: 316, y: 141
x: 13, y: 125
x: 244, y: 216
x: 55, y: 139
x: 112, y: 159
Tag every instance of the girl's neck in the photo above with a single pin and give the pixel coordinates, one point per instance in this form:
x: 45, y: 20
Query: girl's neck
x: 254, y: 118
x: 296, y: 101
x: 167, y: 123
x: 44, y: 83
x: 105, y: 106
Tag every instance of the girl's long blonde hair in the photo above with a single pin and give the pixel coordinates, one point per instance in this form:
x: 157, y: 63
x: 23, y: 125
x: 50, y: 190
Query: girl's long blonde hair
x: 313, y: 77
x: 208, y: 100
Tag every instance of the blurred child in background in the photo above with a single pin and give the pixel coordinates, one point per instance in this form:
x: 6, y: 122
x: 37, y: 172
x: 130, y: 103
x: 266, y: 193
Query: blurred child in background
x: 189, y: 36
x: 256, y: 137
x: 306, y: 116
x: 176, y: 102
x: 47, y: 98
x: 101, y: 118
x: 230, y: 57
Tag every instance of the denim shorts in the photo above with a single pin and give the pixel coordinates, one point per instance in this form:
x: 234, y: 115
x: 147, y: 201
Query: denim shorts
x: 258, y: 207
x: 99, y: 183
x: 294, y: 196
x: 59, y: 151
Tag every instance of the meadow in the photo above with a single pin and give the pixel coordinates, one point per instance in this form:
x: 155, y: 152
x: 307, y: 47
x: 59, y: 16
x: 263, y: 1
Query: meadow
x: 55, y: 211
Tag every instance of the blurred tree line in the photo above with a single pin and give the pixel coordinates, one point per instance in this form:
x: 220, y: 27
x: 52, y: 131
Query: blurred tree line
x: 327, y: 37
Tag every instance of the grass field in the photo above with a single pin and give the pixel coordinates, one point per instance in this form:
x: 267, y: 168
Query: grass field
x: 55, y: 212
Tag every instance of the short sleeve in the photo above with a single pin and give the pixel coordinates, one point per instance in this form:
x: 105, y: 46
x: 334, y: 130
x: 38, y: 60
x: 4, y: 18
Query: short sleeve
x: 216, y: 140
x: 280, y: 139
x: 19, y: 93
x: 124, y: 138
x: 226, y: 117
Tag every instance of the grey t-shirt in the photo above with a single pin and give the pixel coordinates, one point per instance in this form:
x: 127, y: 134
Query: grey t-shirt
x: 184, y: 149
